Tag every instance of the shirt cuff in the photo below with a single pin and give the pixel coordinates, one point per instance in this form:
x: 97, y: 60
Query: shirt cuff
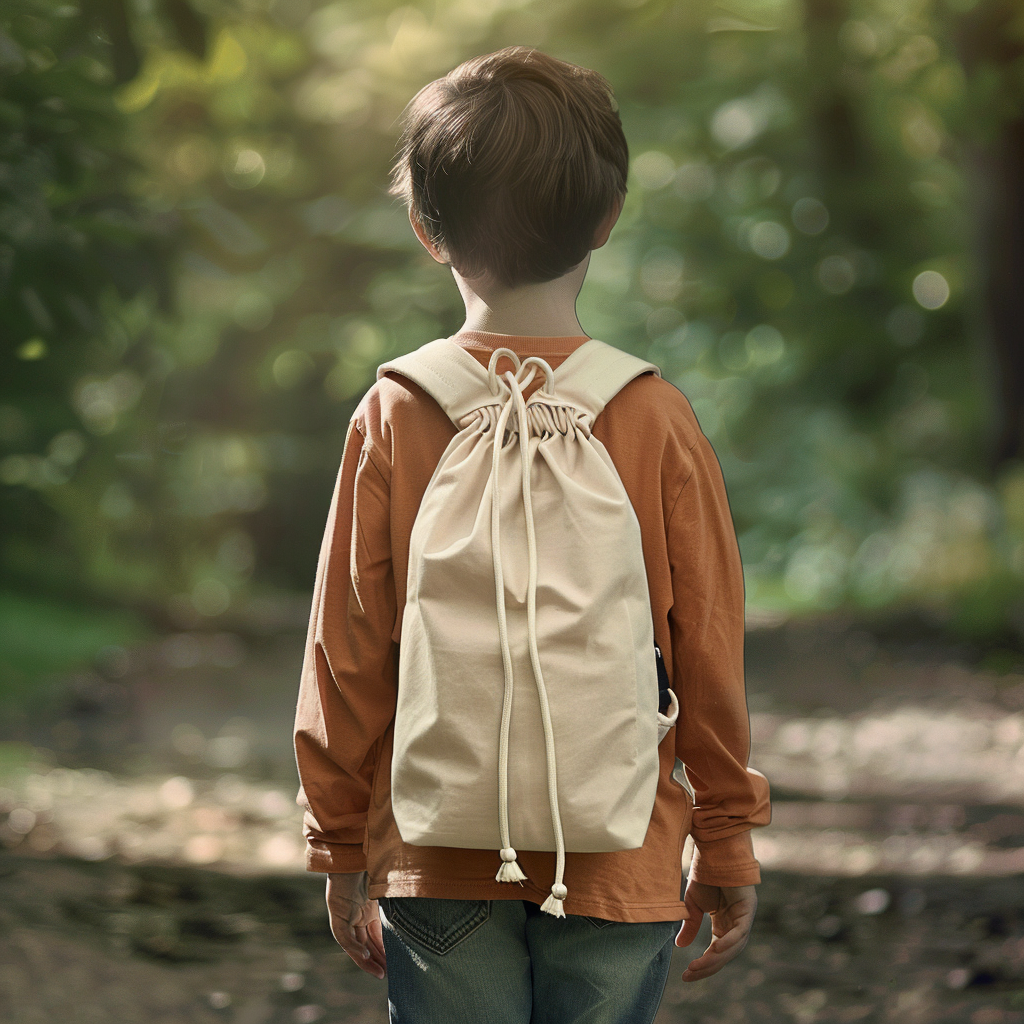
x: 334, y: 858
x: 725, y: 862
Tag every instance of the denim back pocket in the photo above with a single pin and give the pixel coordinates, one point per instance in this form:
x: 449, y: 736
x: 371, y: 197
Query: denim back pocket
x: 438, y: 924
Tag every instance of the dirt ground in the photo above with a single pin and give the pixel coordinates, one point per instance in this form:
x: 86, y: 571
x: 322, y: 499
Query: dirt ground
x: 85, y: 942
x: 150, y: 862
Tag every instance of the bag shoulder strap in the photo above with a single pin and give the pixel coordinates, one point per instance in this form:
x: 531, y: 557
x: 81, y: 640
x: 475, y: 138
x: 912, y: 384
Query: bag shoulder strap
x: 587, y: 379
x: 595, y: 373
x: 448, y: 373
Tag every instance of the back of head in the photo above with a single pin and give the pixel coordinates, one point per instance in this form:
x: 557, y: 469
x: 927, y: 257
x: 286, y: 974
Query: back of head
x: 511, y: 162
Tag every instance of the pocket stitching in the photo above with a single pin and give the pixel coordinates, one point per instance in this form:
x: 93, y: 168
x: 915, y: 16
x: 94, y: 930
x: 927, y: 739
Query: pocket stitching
x: 437, y: 944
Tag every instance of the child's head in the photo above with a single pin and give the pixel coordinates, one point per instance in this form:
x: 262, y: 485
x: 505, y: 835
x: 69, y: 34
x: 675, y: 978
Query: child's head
x: 511, y: 162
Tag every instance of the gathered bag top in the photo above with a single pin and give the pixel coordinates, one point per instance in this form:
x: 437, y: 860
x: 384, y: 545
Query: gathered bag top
x: 527, y: 707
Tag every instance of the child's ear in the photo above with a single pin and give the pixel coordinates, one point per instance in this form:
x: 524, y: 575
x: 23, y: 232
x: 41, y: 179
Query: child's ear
x: 604, y: 229
x: 425, y: 240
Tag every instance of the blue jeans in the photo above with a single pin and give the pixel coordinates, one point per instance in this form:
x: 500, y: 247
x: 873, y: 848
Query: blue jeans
x: 506, y: 962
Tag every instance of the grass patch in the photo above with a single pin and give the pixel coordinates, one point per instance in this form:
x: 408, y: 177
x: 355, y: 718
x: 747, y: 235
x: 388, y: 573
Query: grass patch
x: 17, y: 759
x: 40, y: 638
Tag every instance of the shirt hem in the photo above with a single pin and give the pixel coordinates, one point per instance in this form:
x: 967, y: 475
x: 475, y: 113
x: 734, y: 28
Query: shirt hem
x: 583, y: 906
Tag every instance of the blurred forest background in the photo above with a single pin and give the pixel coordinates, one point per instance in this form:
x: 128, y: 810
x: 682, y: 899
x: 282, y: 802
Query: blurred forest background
x: 200, y: 269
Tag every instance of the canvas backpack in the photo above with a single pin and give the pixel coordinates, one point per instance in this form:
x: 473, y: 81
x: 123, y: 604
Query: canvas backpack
x: 528, y: 706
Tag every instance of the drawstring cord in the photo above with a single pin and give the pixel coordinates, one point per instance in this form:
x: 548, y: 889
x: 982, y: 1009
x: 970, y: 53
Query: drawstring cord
x: 510, y: 870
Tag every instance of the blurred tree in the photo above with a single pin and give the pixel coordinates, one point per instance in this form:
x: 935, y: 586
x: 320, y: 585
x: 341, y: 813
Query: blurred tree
x: 990, y: 40
x: 74, y: 246
x: 794, y: 251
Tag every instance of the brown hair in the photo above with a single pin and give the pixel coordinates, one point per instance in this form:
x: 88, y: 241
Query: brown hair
x: 510, y: 163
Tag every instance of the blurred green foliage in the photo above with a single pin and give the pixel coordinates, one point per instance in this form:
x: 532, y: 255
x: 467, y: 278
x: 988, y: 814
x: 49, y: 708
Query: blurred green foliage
x: 17, y: 760
x: 40, y: 639
x: 78, y: 254
x: 201, y: 270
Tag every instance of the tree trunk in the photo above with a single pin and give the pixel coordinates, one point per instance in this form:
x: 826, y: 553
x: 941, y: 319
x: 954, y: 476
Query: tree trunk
x: 997, y: 174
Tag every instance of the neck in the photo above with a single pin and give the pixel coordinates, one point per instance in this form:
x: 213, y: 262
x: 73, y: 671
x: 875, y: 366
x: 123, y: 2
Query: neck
x: 547, y: 309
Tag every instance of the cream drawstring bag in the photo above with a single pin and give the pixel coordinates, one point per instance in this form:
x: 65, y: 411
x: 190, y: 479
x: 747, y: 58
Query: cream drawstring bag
x: 527, y: 683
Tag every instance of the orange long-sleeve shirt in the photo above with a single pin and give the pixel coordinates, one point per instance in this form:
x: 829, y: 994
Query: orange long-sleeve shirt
x: 344, y: 726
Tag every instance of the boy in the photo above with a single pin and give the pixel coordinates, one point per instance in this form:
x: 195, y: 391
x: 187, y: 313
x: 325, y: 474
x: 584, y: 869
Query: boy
x: 514, y: 168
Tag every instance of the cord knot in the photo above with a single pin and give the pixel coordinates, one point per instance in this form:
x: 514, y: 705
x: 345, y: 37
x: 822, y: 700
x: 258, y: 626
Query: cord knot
x: 553, y: 904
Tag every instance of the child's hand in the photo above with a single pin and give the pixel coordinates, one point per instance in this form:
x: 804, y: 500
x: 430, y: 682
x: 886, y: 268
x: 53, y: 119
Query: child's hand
x: 732, y: 911
x: 355, y: 922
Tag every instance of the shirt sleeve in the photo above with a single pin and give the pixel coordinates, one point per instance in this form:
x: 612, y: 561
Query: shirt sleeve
x: 348, y: 684
x: 706, y: 625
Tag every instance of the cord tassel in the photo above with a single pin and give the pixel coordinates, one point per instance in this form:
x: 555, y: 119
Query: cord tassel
x: 553, y: 904
x: 510, y: 871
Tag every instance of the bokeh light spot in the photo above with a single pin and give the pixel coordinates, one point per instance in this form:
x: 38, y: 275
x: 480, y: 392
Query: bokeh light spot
x: 653, y: 170
x: 736, y: 124
x: 858, y: 38
x: 769, y: 240
x: 836, y: 274
x: 247, y: 169
x: 809, y: 216
x: 34, y: 348
x: 694, y: 181
x: 931, y: 289
x: 291, y: 368
x: 661, y: 274
x: 764, y: 345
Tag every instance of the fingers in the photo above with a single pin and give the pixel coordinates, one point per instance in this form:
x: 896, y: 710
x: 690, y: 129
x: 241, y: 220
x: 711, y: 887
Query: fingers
x: 691, y: 926
x: 373, y: 963
x: 705, y: 898
x: 723, y: 948
x: 356, y: 940
x: 698, y: 899
x: 376, y: 965
x: 375, y: 934
x: 372, y: 944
